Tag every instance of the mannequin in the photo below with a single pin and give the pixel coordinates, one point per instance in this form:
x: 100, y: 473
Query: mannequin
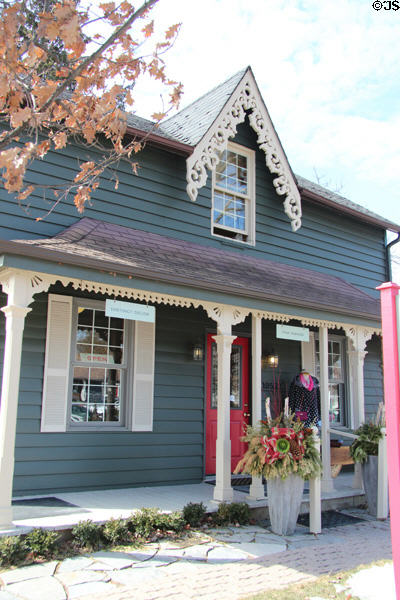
x: 304, y: 398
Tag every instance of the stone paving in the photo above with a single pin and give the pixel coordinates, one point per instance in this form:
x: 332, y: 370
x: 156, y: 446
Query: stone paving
x: 223, y: 563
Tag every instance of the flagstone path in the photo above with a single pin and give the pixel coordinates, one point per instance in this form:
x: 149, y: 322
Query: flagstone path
x: 224, y: 563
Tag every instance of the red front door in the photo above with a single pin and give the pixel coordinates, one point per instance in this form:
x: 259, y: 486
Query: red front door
x: 239, y: 400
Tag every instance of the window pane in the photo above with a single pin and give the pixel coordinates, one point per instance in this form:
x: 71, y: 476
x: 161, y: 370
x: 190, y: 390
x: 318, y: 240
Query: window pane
x: 85, y: 316
x: 236, y: 376
x: 112, y: 394
x: 79, y: 413
x: 96, y: 413
x: 100, y: 337
x: 236, y: 372
x: 83, y: 353
x: 242, y: 161
x: 99, y: 354
x: 335, y: 409
x: 111, y: 412
x: 113, y: 376
x: 84, y: 335
x: 116, y: 323
x: 218, y: 216
x: 100, y: 319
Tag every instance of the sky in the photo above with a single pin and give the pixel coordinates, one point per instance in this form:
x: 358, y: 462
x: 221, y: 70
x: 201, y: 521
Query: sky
x: 328, y: 72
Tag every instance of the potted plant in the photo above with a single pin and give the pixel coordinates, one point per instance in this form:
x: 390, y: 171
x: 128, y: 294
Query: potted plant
x: 284, y: 452
x: 364, y: 450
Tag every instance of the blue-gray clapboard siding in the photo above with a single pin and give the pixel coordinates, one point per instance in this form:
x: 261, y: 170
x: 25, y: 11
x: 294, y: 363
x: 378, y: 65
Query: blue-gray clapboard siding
x: 155, y: 200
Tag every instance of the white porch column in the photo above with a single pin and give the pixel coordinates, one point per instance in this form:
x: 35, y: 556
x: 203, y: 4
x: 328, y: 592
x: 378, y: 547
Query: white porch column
x: 225, y: 316
x: 223, y: 490
x: 326, y: 483
x: 256, y: 488
x: 20, y: 288
x: 357, y: 338
x: 15, y: 320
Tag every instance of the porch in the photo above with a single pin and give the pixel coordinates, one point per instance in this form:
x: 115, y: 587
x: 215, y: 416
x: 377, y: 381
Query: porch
x: 52, y: 435
x: 63, y: 510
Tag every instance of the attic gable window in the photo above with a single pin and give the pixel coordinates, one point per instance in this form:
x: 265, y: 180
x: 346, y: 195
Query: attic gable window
x: 233, y: 202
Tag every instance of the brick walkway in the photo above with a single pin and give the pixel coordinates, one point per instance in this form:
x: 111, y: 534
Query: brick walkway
x: 343, y: 548
x: 222, y: 564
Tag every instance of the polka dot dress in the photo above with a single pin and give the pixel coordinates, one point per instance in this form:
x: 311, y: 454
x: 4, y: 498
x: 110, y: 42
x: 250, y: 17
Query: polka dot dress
x: 303, y: 399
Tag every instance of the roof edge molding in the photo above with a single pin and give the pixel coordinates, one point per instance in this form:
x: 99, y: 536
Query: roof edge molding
x: 245, y: 97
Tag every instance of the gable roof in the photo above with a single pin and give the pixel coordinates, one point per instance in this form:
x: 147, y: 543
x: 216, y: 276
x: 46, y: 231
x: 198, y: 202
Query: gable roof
x: 102, y: 245
x: 183, y: 131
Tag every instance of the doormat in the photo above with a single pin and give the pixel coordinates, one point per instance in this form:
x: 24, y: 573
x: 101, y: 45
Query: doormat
x: 331, y: 518
x: 49, y: 506
x: 235, y: 481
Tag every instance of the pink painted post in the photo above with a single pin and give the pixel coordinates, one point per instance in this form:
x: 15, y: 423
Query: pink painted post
x: 391, y: 354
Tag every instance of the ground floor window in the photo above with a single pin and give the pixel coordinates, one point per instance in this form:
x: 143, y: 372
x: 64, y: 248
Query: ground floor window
x: 337, y: 379
x: 99, y: 365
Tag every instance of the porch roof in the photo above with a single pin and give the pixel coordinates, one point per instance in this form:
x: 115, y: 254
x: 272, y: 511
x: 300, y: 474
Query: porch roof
x: 102, y: 245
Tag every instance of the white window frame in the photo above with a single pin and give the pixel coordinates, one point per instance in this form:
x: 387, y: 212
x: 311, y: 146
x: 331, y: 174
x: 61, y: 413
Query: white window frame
x: 139, y: 345
x: 249, y: 198
x: 345, y: 408
x: 125, y: 366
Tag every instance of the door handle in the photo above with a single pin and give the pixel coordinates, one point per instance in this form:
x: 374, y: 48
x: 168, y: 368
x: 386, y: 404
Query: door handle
x: 246, y: 414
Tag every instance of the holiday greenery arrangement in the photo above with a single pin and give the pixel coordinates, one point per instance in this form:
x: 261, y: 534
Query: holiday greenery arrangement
x: 367, y: 442
x: 279, y: 447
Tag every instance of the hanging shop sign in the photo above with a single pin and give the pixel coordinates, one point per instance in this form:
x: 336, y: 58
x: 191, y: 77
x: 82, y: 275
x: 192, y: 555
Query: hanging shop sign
x: 131, y: 311
x: 288, y: 332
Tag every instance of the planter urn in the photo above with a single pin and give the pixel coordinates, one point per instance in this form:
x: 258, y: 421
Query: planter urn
x: 370, y: 480
x: 284, y: 501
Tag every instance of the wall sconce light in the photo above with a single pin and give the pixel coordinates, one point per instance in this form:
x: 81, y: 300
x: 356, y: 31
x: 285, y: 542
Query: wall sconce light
x: 270, y: 360
x: 198, y: 351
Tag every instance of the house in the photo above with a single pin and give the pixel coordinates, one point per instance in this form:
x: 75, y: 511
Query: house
x: 123, y: 327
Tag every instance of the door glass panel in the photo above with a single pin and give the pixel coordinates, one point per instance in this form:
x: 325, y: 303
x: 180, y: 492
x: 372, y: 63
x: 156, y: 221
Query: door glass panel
x: 236, y: 376
x: 336, y: 403
x: 336, y: 376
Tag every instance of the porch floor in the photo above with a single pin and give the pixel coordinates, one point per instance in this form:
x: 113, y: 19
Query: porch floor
x: 101, y: 505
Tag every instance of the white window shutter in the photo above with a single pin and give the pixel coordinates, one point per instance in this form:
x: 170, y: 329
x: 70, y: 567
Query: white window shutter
x: 143, y: 377
x: 57, y: 364
x: 308, y: 354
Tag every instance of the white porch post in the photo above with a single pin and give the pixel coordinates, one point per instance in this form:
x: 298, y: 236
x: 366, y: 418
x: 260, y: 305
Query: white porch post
x: 357, y: 338
x: 225, y: 316
x: 326, y: 483
x: 20, y: 288
x: 223, y: 489
x: 256, y: 488
x: 15, y: 320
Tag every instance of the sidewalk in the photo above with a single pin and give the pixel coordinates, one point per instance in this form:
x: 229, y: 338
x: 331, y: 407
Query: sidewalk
x: 226, y: 563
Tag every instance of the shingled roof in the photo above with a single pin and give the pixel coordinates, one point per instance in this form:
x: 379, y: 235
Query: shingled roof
x: 191, y: 123
x: 98, y: 244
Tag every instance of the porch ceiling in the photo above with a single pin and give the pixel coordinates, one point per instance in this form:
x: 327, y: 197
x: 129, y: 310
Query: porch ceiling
x: 93, y: 243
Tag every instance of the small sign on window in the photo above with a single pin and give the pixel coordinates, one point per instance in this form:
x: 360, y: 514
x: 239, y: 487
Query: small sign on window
x: 130, y: 310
